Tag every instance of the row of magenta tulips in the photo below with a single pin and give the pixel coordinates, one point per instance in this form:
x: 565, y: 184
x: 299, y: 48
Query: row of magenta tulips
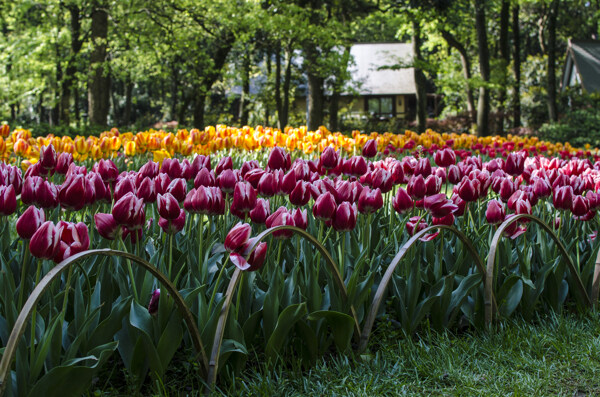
x: 190, y: 220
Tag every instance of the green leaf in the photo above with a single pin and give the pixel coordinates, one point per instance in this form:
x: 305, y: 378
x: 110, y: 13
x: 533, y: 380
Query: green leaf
x: 288, y: 317
x: 510, y: 295
x: 341, y: 324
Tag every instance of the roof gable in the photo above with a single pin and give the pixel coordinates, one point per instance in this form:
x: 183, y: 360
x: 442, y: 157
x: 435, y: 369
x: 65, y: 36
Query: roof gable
x: 586, y: 58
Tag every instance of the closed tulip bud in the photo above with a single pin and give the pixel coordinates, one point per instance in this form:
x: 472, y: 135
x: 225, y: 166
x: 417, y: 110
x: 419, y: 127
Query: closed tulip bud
x: 218, y: 203
x: 178, y: 188
x: 15, y: 178
x: 90, y: 192
x: 369, y: 200
x: 495, y: 212
x: 72, y: 239
x: 423, y: 167
x: 454, y: 174
x: 329, y: 158
x: 344, y: 218
x: 462, y: 204
x: 43, y: 241
x: 523, y: 206
x: 153, y: 305
x: 515, y: 164
x: 370, y: 148
x: 513, y: 230
x: 224, y: 164
x: 244, y: 197
x: 416, y: 187
x: 205, y: 178
x: 249, y: 165
x: 324, y: 206
x: 279, y: 159
x: 288, y: 183
x: 516, y: 196
x: 30, y: 188
x: 48, y: 158
x: 468, y: 189
x: 541, y: 188
x: 258, y: 256
x: 300, y: 218
x: 237, y: 236
x: 300, y: 195
x: 29, y: 222
x: 563, y: 197
x: 439, y: 206
x: 415, y: 225
x: 226, y: 181
x: 173, y: 168
x: 358, y: 166
x: 580, y: 206
x: 186, y: 170
x: 433, y: 185
x: 382, y: 179
x: 147, y: 190
x: 107, y: 170
x: 397, y: 172
x: 402, y: 201
x: 173, y: 226
x: 72, y: 192
x: 593, y: 200
x: 161, y: 183
x: 441, y: 173
x: 342, y: 191
x: 281, y: 217
x: 149, y: 170
x: 124, y: 186
x: 107, y: 226
x: 8, y: 200
x: 444, y: 158
x: 200, y: 162
x: 47, y: 196
x: 168, y: 206
x: 507, y: 188
x: 260, y: 212
x: 63, y: 163
x: 267, y: 185
x: 129, y: 211
x: 447, y: 220
x: 201, y: 200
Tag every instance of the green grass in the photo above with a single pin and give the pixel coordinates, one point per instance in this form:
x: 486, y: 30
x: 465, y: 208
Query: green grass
x: 557, y: 356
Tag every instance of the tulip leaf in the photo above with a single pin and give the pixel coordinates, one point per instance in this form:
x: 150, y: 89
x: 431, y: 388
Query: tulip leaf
x: 509, y: 295
x: 141, y: 319
x: 170, y: 339
x: 341, y: 324
x: 288, y: 317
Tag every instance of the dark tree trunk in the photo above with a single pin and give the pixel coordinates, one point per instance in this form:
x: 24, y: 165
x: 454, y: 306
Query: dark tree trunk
x: 419, y: 78
x: 334, y: 102
x: 505, y: 60
x: 99, y: 85
x: 287, y: 78
x: 199, y: 110
x: 516, y: 100
x: 466, y: 65
x: 174, y: 90
x: 267, y: 110
x: 185, y: 103
x: 315, y: 101
x: 278, y: 101
x: 551, y: 87
x: 483, y: 105
x: 55, y: 111
x: 244, y: 99
x: 128, y: 97
x: 68, y: 86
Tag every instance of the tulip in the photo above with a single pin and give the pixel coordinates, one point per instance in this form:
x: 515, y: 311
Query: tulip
x: 90, y: 192
x: 205, y: 178
x: 507, y: 188
x: 172, y: 167
x: 494, y: 212
x: 168, y: 206
x: 129, y: 211
x: 199, y: 163
x: 515, y: 163
x: 261, y: 211
x: 30, y: 188
x: 237, y: 236
x: 107, y: 226
x: 161, y: 183
x: 447, y: 220
x: 593, y: 200
x: 63, y: 162
x: 8, y: 200
x: 460, y: 203
x: 218, y: 203
x: 523, y: 206
x: 468, y: 189
x: 256, y: 259
x: 267, y: 185
x: 43, y: 241
x: 329, y: 158
x: 149, y: 170
x: 402, y: 202
x: 153, y: 305
x: 358, y: 166
x: 342, y: 192
x: 415, y: 224
x: 287, y: 183
x: 514, y: 230
x: 416, y: 187
x: 281, y: 217
x: 72, y: 192
x: 244, y: 197
x: 300, y: 195
x: 344, y: 218
x: 369, y: 200
x: 249, y: 165
x: 174, y: 225
x: 147, y: 190
x: 423, y: 167
x: 580, y: 206
x: 227, y: 181
x: 279, y: 159
x: 454, y: 174
x: 124, y: 186
x: 300, y: 218
x: 201, y: 200
x: 370, y: 148
x: 397, y: 172
x: 107, y: 170
x: 47, y: 158
x: 541, y: 188
x: 439, y: 205
x: 433, y: 185
x: 178, y: 188
x: 226, y: 163
x: 382, y: 179
x: 563, y: 197
x: 324, y: 206
x: 71, y: 239
x: 29, y: 222
x: 444, y: 158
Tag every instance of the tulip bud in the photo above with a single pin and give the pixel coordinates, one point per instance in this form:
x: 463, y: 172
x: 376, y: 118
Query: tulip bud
x: 124, y: 186
x: 174, y: 225
x: 439, y: 205
x: 47, y: 196
x: 433, y: 185
x: 369, y: 200
x: 416, y: 187
x: 227, y: 181
x: 205, y: 178
x: 168, y: 206
x: 370, y: 148
x: 267, y: 185
x: 423, y: 167
x: 515, y: 163
x: 107, y: 226
x: 129, y: 211
x: 580, y: 206
x: 454, y: 174
x: 300, y: 218
x: 72, y: 239
x: 8, y: 200
x: 447, y: 220
x: 237, y: 236
x: 178, y: 188
x: 563, y: 197
x: 161, y: 183
x: 149, y: 170
x: 72, y: 192
x: 244, y: 197
x: 329, y: 158
x: 382, y: 179
x: 288, y: 183
x: 29, y: 222
x: 226, y: 163
x: 107, y: 170
x: 261, y: 211
x: 444, y: 158
x: 324, y: 206
x: 344, y: 218
x: 281, y: 217
x: 415, y: 225
x: 256, y: 259
x: 279, y: 159
x: 47, y: 158
x: 43, y: 241
x: 468, y: 189
x: 402, y: 201
x: 153, y: 305
x: 300, y: 195
x: 494, y: 212
x: 63, y: 163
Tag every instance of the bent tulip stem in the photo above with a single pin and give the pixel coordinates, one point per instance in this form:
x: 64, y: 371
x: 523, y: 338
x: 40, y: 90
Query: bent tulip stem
x: 130, y: 271
x: 24, y: 269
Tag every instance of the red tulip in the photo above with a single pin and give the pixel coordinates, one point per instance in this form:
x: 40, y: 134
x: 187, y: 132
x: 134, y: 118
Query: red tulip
x: 514, y: 230
x: 494, y: 212
x: 48, y: 157
x: 172, y: 167
x: 580, y: 206
x: 300, y: 218
x: 447, y: 220
x: 402, y: 201
x: 433, y: 185
x: 382, y: 179
x: 416, y: 187
x: 129, y: 211
x: 287, y: 183
x: 227, y: 180
x: 324, y: 206
x: 174, y: 225
x: 261, y: 211
x: 124, y: 186
x: 168, y: 207
x: 280, y: 217
x: 358, y: 166
x: 279, y: 159
x: 507, y: 188
x: 107, y: 226
x: 147, y: 190
x: 563, y: 197
x: 460, y: 203
x: 224, y: 164
x: 71, y: 239
x: 593, y: 200
x: 200, y: 162
x: 468, y: 189
x: 161, y: 183
x: 8, y: 200
x: 72, y: 192
x: 244, y: 197
x: 29, y: 190
x: 47, y: 195
x: 178, y: 188
x: 267, y: 185
x: 415, y: 225
x: 43, y: 241
x: 444, y: 158
x: 369, y: 200
x: 329, y: 158
x: 149, y: 170
x: 218, y: 203
x: 515, y: 163
x: 423, y: 167
x: 454, y: 174
x: 153, y: 305
x: 397, y: 172
x: 63, y: 162
x: 256, y: 259
x: 370, y: 148
x: 344, y: 218
x: 237, y: 236
x: 541, y: 188
x: 205, y: 178
x: 29, y: 222
x: 201, y: 200
x: 107, y: 170
x: 249, y: 165
x: 439, y: 205
x: 300, y: 195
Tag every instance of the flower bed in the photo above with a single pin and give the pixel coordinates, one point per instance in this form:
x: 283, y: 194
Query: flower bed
x: 276, y: 252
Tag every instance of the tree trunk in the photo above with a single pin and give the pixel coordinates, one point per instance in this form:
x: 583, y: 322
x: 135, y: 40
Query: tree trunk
x: 267, y: 110
x: 99, y: 85
x: 419, y: 77
x: 68, y: 89
x: 244, y: 99
x: 483, y: 105
x: 287, y: 78
x: 551, y: 87
x: 278, y: 102
x: 128, y: 97
x: 55, y: 111
x: 334, y: 102
x: 504, y: 61
x: 516, y: 100
x: 174, y: 90
x: 466, y: 65
x: 315, y: 101
x: 185, y: 103
x: 199, y: 110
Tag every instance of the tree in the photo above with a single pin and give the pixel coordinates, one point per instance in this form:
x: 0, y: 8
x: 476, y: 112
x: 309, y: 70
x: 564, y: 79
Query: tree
x: 483, y: 105
x: 99, y: 84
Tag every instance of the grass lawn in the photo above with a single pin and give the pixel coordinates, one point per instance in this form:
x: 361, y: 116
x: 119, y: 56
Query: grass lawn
x: 558, y: 355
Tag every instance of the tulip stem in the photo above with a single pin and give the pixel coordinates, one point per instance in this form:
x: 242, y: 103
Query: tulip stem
x: 34, y: 313
x: 279, y: 251
x: 130, y: 271
x: 214, y: 293
x: 24, y: 269
x: 171, y: 235
x: 577, y: 245
x: 66, y: 296
x: 343, y: 234
x: 200, y: 241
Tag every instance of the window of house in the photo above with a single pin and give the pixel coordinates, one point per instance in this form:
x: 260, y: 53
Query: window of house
x: 382, y: 107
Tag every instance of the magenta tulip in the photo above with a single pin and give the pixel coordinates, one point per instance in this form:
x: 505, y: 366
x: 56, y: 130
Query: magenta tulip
x: 153, y: 304
x: 402, y: 202
x: 324, y: 206
x: 43, y: 241
x: 237, y: 236
x: 29, y: 222
x: 344, y: 218
x: 8, y: 200
x: 439, y: 206
x: 444, y: 158
x: 329, y: 158
x: 369, y: 200
x: 416, y: 187
x: 174, y: 225
x: 370, y: 148
x: 107, y: 226
x: 168, y: 206
x: 71, y: 239
x: 129, y: 211
x: 494, y: 212
x: 244, y: 197
x: 261, y: 211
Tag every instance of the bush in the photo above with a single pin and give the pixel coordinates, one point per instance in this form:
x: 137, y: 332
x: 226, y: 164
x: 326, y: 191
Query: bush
x: 577, y: 127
